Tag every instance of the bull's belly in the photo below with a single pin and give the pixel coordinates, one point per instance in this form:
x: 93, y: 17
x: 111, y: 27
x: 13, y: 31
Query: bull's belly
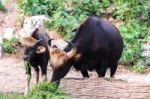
x: 86, y: 65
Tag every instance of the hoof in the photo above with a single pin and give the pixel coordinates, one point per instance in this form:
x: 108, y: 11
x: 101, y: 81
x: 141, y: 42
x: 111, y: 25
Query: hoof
x: 27, y: 90
x: 108, y: 79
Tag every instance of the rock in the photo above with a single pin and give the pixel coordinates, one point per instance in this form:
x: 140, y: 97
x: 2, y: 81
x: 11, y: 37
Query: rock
x: 31, y: 23
x: 9, y: 33
x: 61, y: 44
x: 35, y: 22
x: 1, y: 51
x: 146, y: 52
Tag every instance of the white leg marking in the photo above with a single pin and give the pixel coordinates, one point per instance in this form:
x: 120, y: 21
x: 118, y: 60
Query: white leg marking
x: 44, y: 78
x: 27, y: 89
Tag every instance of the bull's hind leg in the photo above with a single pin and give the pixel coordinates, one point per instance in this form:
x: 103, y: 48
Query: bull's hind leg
x: 85, y: 73
x: 101, y: 68
x: 113, y: 68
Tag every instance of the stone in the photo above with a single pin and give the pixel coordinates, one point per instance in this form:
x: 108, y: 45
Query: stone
x: 9, y: 33
x: 31, y: 23
x: 35, y: 22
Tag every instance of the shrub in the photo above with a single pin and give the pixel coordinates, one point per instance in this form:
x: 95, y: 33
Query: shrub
x: 2, y: 7
x: 11, y: 96
x: 8, y: 47
x: 133, y: 33
x: 46, y: 90
x: 42, y: 90
x: 34, y: 7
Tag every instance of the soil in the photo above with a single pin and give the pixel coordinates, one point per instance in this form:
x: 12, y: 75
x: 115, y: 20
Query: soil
x: 125, y: 85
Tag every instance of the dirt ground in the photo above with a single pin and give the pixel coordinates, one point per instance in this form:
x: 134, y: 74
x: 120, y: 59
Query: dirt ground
x: 125, y: 85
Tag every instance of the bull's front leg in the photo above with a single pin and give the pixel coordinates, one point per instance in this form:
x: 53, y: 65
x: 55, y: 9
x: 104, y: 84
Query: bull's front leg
x: 28, y: 77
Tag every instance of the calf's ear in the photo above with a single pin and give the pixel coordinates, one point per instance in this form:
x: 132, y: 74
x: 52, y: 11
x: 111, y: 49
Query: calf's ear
x: 40, y: 49
x: 16, y: 45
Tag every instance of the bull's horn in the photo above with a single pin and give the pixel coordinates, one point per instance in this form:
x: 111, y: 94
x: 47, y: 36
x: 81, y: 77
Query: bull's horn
x: 73, y: 51
x: 49, y: 41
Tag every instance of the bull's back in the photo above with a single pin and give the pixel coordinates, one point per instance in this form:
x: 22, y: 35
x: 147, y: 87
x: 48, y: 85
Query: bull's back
x: 114, y: 38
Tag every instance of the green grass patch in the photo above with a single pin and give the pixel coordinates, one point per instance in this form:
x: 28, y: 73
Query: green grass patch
x: 46, y: 90
x: 43, y: 90
x: 11, y: 96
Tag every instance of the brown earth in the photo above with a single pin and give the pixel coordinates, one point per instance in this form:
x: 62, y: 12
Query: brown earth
x: 125, y: 85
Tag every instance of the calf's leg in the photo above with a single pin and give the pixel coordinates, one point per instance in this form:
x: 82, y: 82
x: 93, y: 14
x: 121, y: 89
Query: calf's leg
x: 44, y: 72
x: 36, y: 70
x: 28, y: 78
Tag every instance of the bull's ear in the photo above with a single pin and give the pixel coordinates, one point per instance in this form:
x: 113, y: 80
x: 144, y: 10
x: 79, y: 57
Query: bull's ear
x: 40, y: 49
x: 49, y: 41
x: 16, y: 45
x: 77, y: 56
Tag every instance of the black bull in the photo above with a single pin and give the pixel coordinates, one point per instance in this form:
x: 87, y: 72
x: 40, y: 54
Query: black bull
x: 99, y: 46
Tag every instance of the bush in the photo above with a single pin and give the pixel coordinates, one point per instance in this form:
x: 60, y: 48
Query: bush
x: 11, y: 96
x: 135, y: 15
x: 8, y: 47
x: 34, y: 7
x: 135, y: 9
x: 42, y: 90
x: 46, y: 90
x: 2, y: 7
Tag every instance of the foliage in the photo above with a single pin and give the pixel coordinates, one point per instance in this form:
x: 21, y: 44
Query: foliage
x: 132, y: 9
x: 46, y: 90
x: 11, y: 96
x: 136, y: 17
x: 42, y: 90
x: 8, y: 47
x: 2, y: 7
x: 34, y: 7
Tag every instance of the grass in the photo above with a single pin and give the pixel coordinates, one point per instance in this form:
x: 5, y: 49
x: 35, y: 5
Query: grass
x: 11, y: 96
x: 44, y: 90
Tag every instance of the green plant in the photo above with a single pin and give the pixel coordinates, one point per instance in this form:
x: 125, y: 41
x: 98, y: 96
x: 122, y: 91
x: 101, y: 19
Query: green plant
x: 8, y: 47
x: 2, y: 7
x: 34, y: 7
x: 43, y: 90
x: 135, y: 9
x: 63, y: 22
x: 46, y: 90
x: 133, y: 33
x: 11, y: 96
